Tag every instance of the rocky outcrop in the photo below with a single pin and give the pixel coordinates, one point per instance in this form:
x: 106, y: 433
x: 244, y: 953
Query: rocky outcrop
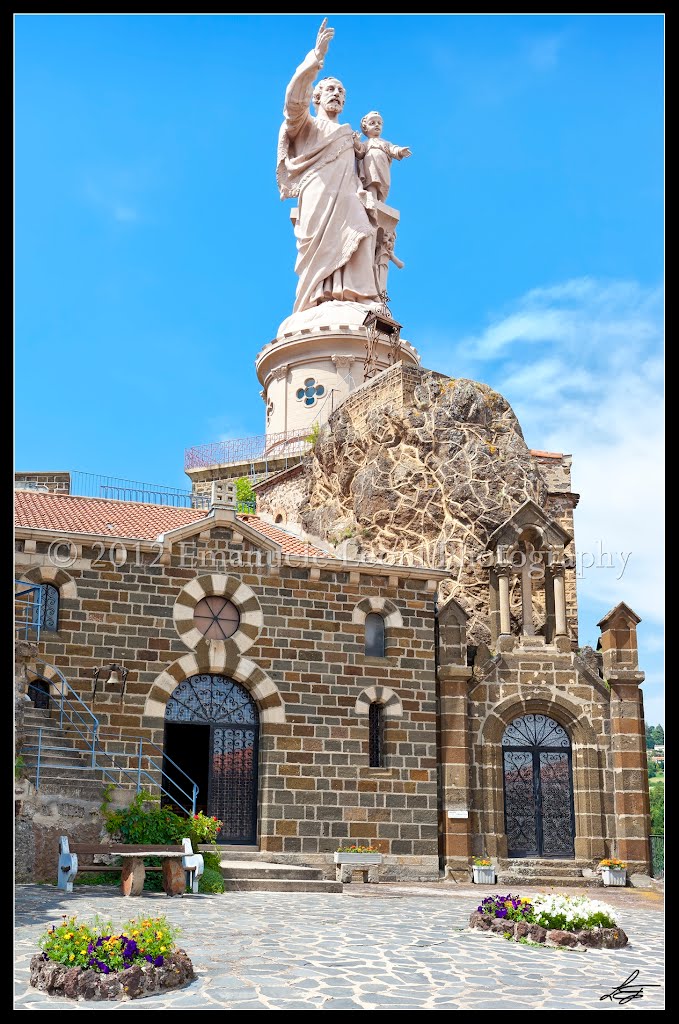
x: 425, y: 471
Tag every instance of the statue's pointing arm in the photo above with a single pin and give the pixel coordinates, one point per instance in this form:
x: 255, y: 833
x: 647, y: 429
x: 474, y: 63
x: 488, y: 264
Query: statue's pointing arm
x: 299, y: 91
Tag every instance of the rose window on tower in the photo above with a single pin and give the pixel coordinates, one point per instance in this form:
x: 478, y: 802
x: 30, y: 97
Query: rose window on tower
x: 310, y: 392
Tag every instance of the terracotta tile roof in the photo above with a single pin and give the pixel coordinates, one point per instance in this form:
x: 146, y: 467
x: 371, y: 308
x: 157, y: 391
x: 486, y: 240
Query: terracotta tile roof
x: 104, y: 517
x: 291, y: 545
x: 546, y: 455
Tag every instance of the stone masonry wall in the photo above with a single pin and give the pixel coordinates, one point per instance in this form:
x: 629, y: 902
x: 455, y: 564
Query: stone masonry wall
x: 56, y: 483
x: 315, y: 786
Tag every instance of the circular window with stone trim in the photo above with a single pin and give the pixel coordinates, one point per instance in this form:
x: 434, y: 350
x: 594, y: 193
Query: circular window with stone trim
x: 216, y: 617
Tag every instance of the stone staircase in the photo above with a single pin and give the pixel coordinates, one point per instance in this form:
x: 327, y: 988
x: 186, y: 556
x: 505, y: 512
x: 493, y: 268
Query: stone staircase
x: 69, y: 771
x: 545, y: 872
x: 245, y: 869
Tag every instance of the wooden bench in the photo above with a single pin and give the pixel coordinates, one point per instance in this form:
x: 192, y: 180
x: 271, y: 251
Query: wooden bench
x: 181, y: 867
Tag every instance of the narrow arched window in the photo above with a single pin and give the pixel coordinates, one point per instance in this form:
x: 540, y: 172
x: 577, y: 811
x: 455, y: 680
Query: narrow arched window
x: 376, y: 735
x: 49, y: 609
x: 374, y: 635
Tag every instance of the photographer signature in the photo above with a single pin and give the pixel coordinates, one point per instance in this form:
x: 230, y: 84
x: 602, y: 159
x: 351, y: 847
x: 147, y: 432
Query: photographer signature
x: 627, y: 991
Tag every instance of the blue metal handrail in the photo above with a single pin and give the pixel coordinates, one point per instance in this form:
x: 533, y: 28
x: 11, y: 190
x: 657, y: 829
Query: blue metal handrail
x: 28, y: 608
x: 89, y: 733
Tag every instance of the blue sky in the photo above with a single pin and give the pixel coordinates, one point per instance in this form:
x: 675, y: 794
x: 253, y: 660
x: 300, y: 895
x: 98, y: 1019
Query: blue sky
x: 153, y: 257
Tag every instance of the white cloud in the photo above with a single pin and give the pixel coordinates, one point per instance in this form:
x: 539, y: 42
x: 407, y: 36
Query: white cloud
x: 581, y: 364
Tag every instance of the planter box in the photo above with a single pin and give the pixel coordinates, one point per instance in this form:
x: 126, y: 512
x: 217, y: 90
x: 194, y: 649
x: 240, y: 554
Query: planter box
x: 358, y: 858
x: 483, y: 876
x: 367, y: 863
x: 614, y: 876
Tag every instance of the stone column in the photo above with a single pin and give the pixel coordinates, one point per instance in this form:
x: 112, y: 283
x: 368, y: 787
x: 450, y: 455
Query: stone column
x: 527, y: 626
x: 628, y: 739
x: 455, y: 759
x: 503, y: 582
x: 559, y: 585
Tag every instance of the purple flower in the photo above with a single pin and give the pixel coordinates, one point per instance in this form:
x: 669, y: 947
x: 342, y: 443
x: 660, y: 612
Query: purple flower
x: 159, y: 961
x: 130, y: 949
x: 502, y: 912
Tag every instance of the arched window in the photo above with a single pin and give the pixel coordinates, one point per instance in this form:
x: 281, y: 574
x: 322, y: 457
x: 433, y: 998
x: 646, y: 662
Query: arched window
x: 374, y: 635
x: 376, y: 735
x: 49, y: 609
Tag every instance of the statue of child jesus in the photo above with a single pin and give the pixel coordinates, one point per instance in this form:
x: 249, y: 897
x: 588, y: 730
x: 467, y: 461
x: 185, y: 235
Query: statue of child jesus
x: 375, y: 156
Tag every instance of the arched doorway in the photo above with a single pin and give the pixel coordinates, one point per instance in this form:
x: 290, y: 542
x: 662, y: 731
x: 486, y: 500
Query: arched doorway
x: 39, y: 693
x: 538, y: 786
x: 211, y: 733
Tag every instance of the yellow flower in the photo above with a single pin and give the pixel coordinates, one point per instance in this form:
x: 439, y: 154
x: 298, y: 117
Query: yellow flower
x: 135, y: 932
x: 162, y: 949
x: 525, y: 899
x: 68, y: 935
x: 72, y: 956
x: 159, y: 935
x: 84, y: 949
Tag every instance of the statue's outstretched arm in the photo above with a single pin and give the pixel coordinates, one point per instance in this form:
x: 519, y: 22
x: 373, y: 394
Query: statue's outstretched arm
x: 299, y: 91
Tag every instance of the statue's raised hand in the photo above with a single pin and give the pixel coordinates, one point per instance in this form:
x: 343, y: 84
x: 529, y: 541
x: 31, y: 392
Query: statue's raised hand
x: 323, y: 40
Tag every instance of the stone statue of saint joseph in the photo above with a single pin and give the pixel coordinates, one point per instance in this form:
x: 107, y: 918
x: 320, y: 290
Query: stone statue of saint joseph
x: 317, y: 166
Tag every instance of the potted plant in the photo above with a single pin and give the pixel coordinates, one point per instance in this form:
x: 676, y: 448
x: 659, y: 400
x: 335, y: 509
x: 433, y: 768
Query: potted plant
x: 613, y: 871
x: 483, y: 871
x: 358, y: 858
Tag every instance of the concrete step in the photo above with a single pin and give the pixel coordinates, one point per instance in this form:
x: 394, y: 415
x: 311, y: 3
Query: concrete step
x: 252, y: 853
x: 80, y: 786
x: 544, y: 870
x: 280, y: 885
x: 30, y: 754
x: 265, y: 870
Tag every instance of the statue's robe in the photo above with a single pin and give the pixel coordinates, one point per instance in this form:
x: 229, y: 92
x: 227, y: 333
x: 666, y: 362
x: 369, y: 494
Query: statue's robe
x: 317, y: 166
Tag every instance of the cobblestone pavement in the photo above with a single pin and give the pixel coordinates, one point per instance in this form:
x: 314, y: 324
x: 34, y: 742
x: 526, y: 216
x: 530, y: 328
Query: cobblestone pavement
x: 386, y: 946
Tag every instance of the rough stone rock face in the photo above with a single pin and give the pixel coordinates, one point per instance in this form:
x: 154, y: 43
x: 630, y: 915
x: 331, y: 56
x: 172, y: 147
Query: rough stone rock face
x: 133, y: 983
x: 429, y: 472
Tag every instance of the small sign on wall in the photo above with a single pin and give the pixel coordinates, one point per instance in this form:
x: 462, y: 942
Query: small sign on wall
x: 458, y: 814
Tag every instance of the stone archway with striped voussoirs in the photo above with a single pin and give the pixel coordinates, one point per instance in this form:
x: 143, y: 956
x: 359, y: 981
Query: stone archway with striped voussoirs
x: 212, y: 659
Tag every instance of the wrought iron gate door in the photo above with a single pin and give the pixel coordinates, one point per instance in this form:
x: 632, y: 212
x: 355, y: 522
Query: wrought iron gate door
x: 538, y: 784
x: 232, y: 794
x: 234, y: 727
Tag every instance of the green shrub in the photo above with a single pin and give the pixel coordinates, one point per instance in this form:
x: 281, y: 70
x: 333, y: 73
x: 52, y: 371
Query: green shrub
x: 140, y: 823
x: 211, y: 881
x: 144, y: 822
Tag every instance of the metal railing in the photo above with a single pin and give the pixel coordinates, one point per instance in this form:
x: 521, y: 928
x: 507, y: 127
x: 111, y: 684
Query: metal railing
x: 27, y: 610
x: 657, y: 855
x: 73, y: 714
x: 259, y: 448
x: 96, y: 485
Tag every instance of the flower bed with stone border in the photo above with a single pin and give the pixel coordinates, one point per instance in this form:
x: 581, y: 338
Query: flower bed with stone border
x: 93, y: 960
x: 135, y: 982
x: 573, y: 922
